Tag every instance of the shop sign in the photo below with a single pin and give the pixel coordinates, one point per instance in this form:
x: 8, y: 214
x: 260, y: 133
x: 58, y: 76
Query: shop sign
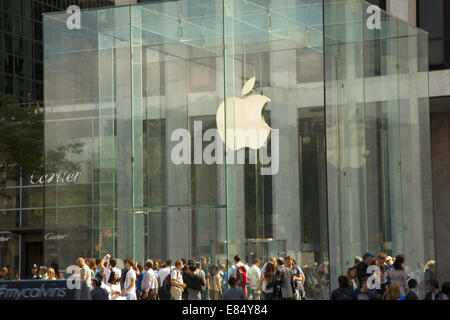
x: 41, y: 290
x: 55, y: 236
x: 246, y: 128
x: 61, y: 176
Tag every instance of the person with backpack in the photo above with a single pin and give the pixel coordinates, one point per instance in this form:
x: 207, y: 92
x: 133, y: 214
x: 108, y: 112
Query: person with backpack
x: 164, y: 281
x: 240, y: 272
x: 176, y: 281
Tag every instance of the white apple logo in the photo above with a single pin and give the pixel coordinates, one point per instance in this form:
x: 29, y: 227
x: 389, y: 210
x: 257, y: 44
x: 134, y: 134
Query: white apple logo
x: 243, y: 119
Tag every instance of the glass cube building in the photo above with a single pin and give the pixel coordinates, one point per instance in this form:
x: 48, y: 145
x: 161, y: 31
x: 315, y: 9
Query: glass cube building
x: 192, y: 128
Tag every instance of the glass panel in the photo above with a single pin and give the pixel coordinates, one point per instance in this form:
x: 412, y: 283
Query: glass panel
x: 9, y: 254
x: 415, y: 152
x: 71, y: 144
x: 376, y: 139
x: 283, y: 211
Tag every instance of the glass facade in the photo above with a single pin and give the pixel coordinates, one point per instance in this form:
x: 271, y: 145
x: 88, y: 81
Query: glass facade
x: 21, y: 86
x: 378, y: 139
x: 213, y: 128
x: 21, y: 51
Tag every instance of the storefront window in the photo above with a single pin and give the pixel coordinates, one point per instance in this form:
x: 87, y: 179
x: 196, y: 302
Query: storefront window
x: 153, y: 101
x: 435, y: 19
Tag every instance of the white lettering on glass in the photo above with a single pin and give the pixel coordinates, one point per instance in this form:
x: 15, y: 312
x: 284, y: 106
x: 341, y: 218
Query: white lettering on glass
x: 55, y: 236
x: 74, y: 20
x: 374, y: 21
x: 61, y: 176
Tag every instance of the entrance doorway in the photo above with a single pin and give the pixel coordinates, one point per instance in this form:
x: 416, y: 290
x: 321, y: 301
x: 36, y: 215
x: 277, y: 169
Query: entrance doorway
x: 33, y: 255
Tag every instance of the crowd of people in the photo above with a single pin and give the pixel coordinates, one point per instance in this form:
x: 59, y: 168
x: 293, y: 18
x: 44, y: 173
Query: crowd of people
x: 192, y: 280
x: 391, y: 283
x: 276, y: 279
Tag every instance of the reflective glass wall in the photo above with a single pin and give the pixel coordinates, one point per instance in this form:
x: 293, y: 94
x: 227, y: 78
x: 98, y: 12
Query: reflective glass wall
x: 197, y: 128
x: 378, y: 143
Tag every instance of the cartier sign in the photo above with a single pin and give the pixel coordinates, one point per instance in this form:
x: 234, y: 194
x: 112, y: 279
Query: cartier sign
x: 61, y: 176
x: 55, y: 236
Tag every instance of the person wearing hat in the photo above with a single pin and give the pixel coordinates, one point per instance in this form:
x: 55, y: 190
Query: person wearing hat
x: 34, y: 272
x: 97, y: 292
x: 361, y: 269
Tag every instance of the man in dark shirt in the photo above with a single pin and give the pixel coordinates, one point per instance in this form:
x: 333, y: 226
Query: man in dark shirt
x: 235, y: 292
x: 98, y: 293
x: 433, y: 290
x: 361, y: 269
x: 344, y: 292
x: 194, y: 283
x: 34, y: 272
x: 412, y: 294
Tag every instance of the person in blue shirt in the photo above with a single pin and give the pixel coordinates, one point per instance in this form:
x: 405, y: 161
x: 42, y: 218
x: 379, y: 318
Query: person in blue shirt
x: 139, y: 280
x: 363, y: 293
x: 225, y: 280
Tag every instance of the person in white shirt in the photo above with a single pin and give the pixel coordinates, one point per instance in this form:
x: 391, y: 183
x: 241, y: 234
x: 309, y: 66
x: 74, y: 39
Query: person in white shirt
x: 176, y: 280
x: 163, y: 293
x: 85, y: 271
x: 116, y: 291
x: 111, y: 268
x: 129, y: 290
x: 255, y: 275
x: 149, y: 283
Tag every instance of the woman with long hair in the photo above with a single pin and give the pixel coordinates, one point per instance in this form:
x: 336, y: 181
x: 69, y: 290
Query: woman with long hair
x: 116, y: 291
x: 92, y: 265
x: 300, y: 278
x: 351, y: 276
x: 393, y: 292
x: 398, y: 275
x: 51, y: 274
x: 139, y: 277
x: 269, y: 274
